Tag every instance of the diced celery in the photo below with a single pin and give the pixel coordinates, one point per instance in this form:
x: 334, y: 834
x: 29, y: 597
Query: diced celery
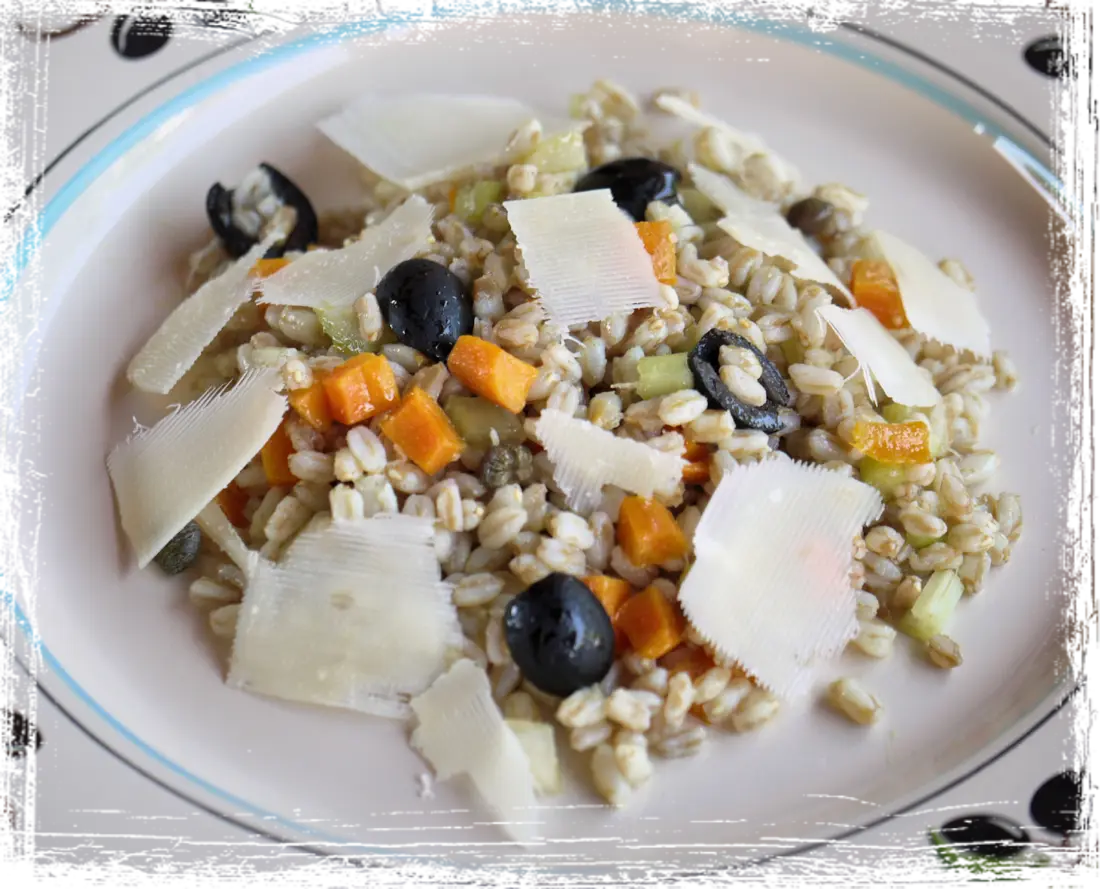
x: 663, y: 374
x: 699, y: 208
x: 920, y: 541
x: 884, y: 476
x: 474, y: 418
x: 896, y: 413
x: 473, y: 197
x: 934, y: 607
x: 562, y: 153
x: 341, y: 325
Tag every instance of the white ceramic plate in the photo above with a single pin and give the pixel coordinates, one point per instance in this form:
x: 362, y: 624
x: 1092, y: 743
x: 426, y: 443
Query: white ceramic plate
x: 125, y: 654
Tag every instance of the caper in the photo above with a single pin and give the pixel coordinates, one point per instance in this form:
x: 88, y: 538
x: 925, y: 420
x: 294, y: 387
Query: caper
x: 811, y: 216
x: 181, y: 551
x: 505, y: 465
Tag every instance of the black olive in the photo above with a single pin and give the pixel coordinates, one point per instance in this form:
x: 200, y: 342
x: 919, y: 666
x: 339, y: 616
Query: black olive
x: 506, y: 464
x: 704, y: 364
x: 180, y: 552
x: 559, y: 635
x: 426, y: 306
x: 1066, y: 804
x: 217, y: 14
x: 140, y: 31
x: 18, y: 735
x: 986, y: 835
x: 811, y: 216
x: 634, y: 182
x: 220, y: 203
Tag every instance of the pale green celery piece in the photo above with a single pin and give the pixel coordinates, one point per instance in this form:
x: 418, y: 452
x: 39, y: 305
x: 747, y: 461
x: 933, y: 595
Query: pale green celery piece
x: 920, y: 541
x: 934, y: 607
x: 884, y: 476
x: 474, y: 417
x: 698, y: 207
x: 341, y: 325
x: 562, y: 153
x: 664, y: 374
x: 473, y: 197
x: 896, y: 413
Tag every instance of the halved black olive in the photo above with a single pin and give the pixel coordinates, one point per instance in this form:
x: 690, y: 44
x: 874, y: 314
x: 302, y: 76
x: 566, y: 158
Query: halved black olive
x: 426, y: 306
x: 704, y: 364
x: 634, y: 182
x: 238, y: 216
x: 991, y: 836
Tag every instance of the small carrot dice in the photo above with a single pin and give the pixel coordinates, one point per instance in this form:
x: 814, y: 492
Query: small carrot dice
x: 696, y: 473
x: 652, y: 623
x: 265, y: 268
x: 312, y: 405
x: 648, y: 533
x: 696, y: 451
x: 612, y: 593
x: 423, y: 431
x: 233, y: 499
x: 687, y: 659
x: 487, y: 370
x: 876, y: 289
x: 275, y: 457
x: 893, y: 442
x: 657, y: 237
x: 360, y: 388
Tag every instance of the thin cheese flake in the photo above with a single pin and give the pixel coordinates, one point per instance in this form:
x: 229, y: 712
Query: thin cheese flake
x: 164, y: 476
x: 759, y: 225
x: 214, y: 524
x: 193, y: 324
x: 586, y: 458
x: 583, y: 256
x: 881, y: 356
x: 462, y: 731
x: 354, y: 615
x: 934, y: 304
x: 338, y: 278
x: 769, y: 587
x: 419, y: 140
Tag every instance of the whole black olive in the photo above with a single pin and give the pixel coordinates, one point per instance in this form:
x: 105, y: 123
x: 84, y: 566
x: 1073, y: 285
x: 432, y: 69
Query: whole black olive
x: 811, y: 216
x: 239, y: 215
x: 559, y: 635
x: 140, y: 31
x: 180, y: 552
x: 987, y: 835
x: 634, y: 182
x: 426, y: 306
x: 1066, y: 804
x: 704, y: 363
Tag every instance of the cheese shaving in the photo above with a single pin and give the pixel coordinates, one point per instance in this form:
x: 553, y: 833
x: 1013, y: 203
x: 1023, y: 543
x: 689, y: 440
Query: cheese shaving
x: 759, y: 225
x: 461, y: 731
x: 934, y: 304
x: 354, y: 615
x: 217, y: 527
x: 583, y: 256
x: 337, y: 278
x: 586, y: 458
x: 193, y: 324
x: 164, y: 476
x: 881, y: 356
x: 419, y: 140
x: 769, y: 587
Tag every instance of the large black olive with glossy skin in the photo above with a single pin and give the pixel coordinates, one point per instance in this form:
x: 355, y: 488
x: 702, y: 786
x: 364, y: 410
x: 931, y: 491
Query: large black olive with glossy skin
x: 988, y: 835
x: 219, y: 210
x: 426, y: 306
x: 704, y: 364
x: 1066, y: 804
x: 634, y: 182
x: 559, y: 635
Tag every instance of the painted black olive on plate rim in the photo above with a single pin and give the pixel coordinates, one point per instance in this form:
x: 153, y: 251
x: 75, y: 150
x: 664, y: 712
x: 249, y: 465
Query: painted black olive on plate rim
x: 704, y: 363
x: 634, y: 183
x: 220, y: 204
x: 426, y: 306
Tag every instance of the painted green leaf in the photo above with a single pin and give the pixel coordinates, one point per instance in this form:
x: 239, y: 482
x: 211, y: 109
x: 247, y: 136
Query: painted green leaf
x: 987, y: 869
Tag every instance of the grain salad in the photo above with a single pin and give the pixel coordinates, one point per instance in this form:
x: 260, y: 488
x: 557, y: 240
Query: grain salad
x: 454, y: 389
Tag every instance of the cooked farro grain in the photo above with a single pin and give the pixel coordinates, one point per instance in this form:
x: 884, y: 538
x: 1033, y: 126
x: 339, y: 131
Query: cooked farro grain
x: 943, y: 651
x: 854, y: 701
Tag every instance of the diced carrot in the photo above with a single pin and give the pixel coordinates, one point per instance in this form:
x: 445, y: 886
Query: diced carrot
x: 360, y: 388
x: 876, y: 289
x: 688, y: 659
x: 648, y: 533
x: 893, y: 442
x: 696, y: 473
x: 265, y: 268
x: 451, y: 197
x: 312, y: 404
x: 652, y: 623
x: 487, y: 370
x: 233, y: 499
x: 657, y: 237
x: 423, y: 431
x: 275, y: 456
x: 612, y: 593
x: 694, y: 451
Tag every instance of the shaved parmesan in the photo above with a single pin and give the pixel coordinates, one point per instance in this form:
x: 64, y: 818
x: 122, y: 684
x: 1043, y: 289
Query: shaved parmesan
x: 583, y: 256
x: 934, y: 304
x: 769, y: 587
x: 419, y: 140
x: 218, y: 528
x: 759, y: 225
x: 586, y: 458
x: 746, y: 143
x: 461, y: 731
x: 355, y: 615
x: 881, y: 357
x: 193, y: 324
x: 164, y: 476
x: 336, y: 278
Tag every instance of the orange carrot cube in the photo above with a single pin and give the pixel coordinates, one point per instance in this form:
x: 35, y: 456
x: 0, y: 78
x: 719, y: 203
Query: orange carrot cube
x: 876, y: 289
x: 312, y: 405
x: 423, y: 431
x: 487, y: 370
x: 657, y: 237
x: 648, y: 533
x: 652, y: 623
x: 360, y: 388
x: 275, y: 457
